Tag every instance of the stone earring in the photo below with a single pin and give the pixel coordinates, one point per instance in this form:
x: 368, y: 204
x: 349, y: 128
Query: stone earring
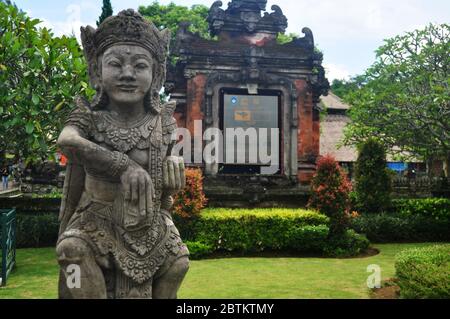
x: 100, y: 100
x: 155, y: 101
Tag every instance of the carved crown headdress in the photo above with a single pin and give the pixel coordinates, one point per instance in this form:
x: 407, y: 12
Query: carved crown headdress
x: 128, y: 27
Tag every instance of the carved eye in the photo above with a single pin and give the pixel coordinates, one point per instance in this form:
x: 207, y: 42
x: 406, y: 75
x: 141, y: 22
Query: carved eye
x: 115, y: 64
x: 142, y: 66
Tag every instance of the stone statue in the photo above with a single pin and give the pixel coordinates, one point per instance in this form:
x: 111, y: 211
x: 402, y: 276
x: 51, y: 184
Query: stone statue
x: 116, y: 225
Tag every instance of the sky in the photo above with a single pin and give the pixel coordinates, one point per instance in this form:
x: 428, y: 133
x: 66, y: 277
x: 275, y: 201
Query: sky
x: 347, y: 31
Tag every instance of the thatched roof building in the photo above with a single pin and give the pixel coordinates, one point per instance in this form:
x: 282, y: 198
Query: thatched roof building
x: 332, y: 129
x: 332, y: 133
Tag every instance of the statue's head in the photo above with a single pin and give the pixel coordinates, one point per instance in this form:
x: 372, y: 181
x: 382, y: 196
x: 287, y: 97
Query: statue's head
x: 127, y: 60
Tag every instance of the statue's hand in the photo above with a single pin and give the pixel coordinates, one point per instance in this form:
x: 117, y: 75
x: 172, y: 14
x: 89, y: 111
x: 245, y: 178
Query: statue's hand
x: 174, y: 178
x: 138, y: 187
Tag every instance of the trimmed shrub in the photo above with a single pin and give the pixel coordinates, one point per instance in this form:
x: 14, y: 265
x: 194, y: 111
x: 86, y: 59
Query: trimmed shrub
x: 410, y: 220
x: 347, y: 245
x: 424, y: 273
x: 189, y: 202
x: 307, y: 238
x: 435, y: 208
x: 258, y: 230
x: 385, y: 228
x: 330, y: 194
x: 27, y: 205
x: 373, y: 180
x: 198, y: 250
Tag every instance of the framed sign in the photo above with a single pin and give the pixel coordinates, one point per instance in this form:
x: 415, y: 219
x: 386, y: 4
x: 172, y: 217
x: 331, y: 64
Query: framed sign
x: 248, y: 123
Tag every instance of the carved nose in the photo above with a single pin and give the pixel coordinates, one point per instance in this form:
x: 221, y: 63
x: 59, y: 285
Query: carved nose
x: 128, y: 74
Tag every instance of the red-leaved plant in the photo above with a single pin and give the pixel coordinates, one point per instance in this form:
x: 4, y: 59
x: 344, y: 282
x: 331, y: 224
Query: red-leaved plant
x: 330, y: 194
x: 191, y: 200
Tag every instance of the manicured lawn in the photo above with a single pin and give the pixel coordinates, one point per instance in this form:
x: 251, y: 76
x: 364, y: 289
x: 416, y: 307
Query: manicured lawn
x: 37, y: 273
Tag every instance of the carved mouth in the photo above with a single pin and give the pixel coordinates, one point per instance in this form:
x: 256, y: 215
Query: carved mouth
x: 127, y: 88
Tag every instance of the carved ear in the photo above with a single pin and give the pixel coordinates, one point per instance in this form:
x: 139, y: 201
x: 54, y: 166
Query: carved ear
x: 87, y: 39
x: 165, y: 34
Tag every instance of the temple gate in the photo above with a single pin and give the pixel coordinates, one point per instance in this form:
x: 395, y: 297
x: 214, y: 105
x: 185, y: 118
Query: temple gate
x: 244, y: 78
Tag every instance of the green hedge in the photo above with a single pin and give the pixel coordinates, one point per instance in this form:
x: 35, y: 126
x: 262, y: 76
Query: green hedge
x: 224, y: 230
x: 424, y: 273
x: 348, y: 245
x: 384, y: 228
x: 436, y: 208
x: 256, y: 230
x: 198, y: 250
x: 26, y: 205
x: 247, y: 230
x: 37, y: 230
x: 268, y: 228
x: 410, y: 220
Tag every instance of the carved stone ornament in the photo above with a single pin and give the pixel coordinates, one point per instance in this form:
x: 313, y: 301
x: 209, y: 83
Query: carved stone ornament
x: 115, y: 220
x: 246, y: 14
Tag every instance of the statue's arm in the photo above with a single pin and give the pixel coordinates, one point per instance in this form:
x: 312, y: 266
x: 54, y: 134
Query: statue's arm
x: 80, y: 150
x: 136, y: 182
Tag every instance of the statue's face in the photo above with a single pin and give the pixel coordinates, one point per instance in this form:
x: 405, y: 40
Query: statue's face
x: 127, y: 73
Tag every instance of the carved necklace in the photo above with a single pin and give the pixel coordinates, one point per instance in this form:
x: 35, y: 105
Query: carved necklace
x: 124, y: 136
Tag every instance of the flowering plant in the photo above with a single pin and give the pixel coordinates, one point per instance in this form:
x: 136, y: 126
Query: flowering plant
x: 330, y: 193
x: 191, y: 200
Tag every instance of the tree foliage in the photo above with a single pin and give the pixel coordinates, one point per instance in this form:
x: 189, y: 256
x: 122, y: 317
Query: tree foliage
x: 39, y: 76
x: 343, y: 87
x: 405, y: 101
x: 372, y: 177
x: 169, y: 16
x: 107, y: 11
x: 284, y: 38
x: 8, y: 2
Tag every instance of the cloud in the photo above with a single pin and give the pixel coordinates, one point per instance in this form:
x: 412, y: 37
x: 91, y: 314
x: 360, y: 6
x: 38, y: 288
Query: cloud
x: 347, y: 31
x: 334, y: 20
x: 73, y: 20
x: 336, y: 71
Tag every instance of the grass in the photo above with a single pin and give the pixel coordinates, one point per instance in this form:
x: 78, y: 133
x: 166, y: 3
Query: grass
x: 36, y: 276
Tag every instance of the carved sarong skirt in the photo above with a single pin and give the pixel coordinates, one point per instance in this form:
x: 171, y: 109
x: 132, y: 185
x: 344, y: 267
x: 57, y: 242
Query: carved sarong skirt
x: 138, y: 256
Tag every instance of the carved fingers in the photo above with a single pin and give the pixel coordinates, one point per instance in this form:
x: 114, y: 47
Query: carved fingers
x: 173, y: 174
x: 171, y: 166
x: 142, y: 195
x: 150, y: 195
x: 138, y: 188
x: 134, y: 189
x: 182, y: 173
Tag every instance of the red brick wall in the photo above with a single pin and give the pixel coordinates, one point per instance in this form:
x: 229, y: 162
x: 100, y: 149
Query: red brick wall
x: 308, y: 131
x: 316, y: 133
x: 195, y: 96
x: 181, y: 119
